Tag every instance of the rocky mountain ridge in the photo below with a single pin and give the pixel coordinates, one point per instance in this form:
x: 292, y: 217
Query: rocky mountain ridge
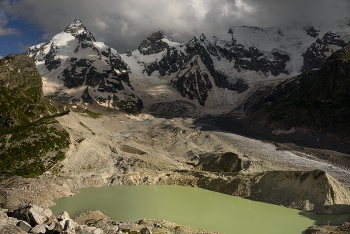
x: 234, y: 65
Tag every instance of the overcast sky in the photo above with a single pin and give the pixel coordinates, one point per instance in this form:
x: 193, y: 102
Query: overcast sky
x: 123, y: 24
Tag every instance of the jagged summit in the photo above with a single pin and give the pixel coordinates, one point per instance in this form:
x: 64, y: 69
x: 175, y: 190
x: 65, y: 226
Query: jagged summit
x: 155, y: 43
x: 76, y: 28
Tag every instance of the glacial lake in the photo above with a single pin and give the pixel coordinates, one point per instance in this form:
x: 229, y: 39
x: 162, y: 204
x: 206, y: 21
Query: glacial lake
x: 191, y: 207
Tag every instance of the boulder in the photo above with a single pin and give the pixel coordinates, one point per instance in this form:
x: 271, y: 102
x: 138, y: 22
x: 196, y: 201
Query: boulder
x: 32, y: 214
x: 55, y: 228
x: 3, y: 215
x: 39, y: 229
x: 62, y: 216
x: 146, y: 230
x: 24, y: 226
x: 11, y: 229
x: 70, y: 226
x: 98, y: 231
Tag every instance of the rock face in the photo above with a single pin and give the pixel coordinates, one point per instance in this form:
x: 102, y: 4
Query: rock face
x: 314, y: 191
x: 316, y: 54
x: 76, y: 68
x: 316, y: 99
x: 153, y: 44
x: 226, y: 162
x: 302, y: 190
x: 31, y: 140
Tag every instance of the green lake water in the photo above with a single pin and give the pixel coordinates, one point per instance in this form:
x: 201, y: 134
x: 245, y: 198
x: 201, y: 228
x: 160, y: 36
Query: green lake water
x: 191, y: 207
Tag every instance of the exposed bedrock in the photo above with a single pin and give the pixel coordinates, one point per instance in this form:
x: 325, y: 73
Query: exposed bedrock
x: 315, y: 191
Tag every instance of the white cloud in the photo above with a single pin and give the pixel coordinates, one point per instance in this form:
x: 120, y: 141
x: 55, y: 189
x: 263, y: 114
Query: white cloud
x: 124, y: 24
x: 101, y: 25
x: 4, y: 31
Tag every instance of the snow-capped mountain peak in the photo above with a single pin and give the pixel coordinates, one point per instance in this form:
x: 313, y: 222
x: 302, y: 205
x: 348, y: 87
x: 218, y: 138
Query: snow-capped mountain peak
x: 77, y: 29
x: 76, y: 68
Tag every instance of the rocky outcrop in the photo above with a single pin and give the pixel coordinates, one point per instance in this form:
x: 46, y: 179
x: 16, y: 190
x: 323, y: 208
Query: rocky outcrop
x: 327, y: 228
x: 226, y: 162
x: 153, y: 44
x: 318, y: 52
x: 20, y: 91
x: 192, y: 82
x: 311, y: 31
x: 76, y: 27
x: 313, y: 191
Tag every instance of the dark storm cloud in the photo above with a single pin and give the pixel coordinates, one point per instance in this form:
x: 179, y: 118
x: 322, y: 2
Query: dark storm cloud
x: 316, y: 12
x: 124, y: 24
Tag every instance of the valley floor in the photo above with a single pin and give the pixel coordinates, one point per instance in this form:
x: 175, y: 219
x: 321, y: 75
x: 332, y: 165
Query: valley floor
x: 117, y: 149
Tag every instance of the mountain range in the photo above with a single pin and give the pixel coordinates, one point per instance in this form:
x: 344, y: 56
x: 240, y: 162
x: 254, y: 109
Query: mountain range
x: 215, y: 75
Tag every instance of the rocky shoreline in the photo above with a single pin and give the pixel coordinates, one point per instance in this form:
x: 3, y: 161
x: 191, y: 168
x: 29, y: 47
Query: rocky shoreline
x: 28, y: 218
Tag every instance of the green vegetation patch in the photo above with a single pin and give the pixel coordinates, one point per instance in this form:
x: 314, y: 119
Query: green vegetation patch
x: 30, y: 150
x: 131, y: 150
x: 93, y: 114
x: 87, y: 128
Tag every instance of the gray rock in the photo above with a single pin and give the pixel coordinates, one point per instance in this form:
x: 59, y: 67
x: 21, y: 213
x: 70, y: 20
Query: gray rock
x: 11, y: 229
x: 3, y: 215
x: 57, y: 229
x: 24, y: 226
x: 39, y: 229
x: 98, y: 231
x: 146, y: 230
x: 39, y: 214
x: 51, y: 226
x: 70, y: 225
x: 62, y: 216
x: 12, y: 220
x: 32, y: 214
